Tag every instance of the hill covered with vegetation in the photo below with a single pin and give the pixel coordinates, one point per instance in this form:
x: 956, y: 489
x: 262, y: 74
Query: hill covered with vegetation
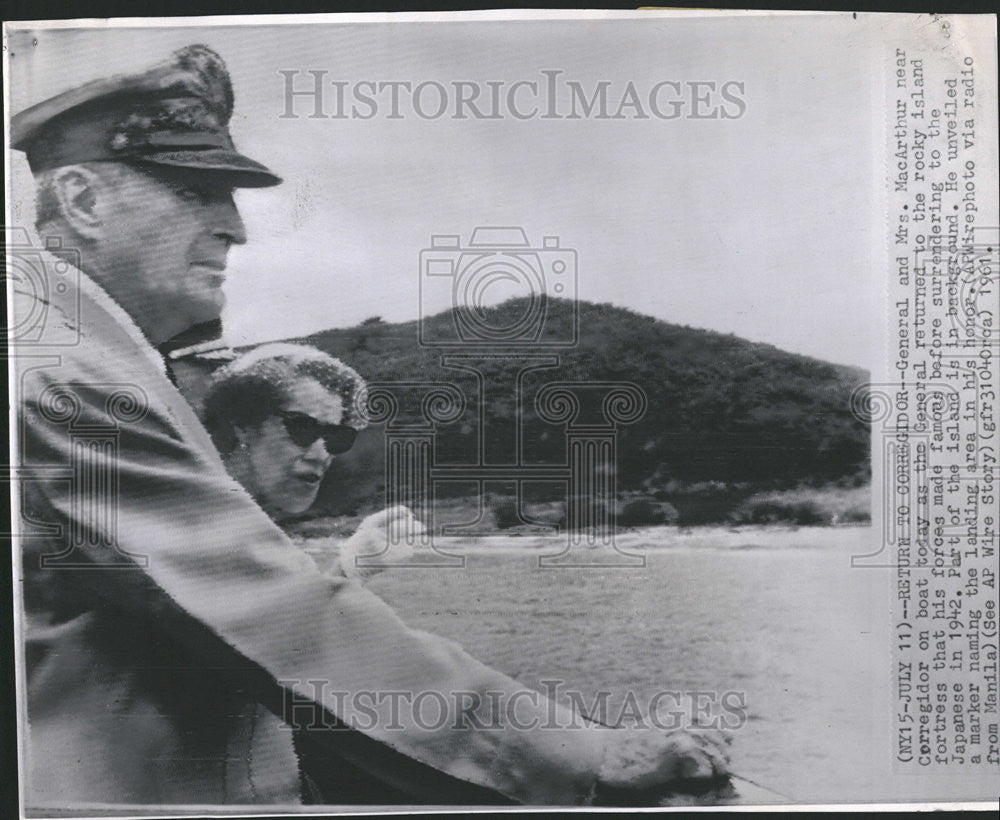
x: 727, y: 420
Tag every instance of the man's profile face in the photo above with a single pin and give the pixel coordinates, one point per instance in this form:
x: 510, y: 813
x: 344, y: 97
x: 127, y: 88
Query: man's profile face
x: 169, y: 234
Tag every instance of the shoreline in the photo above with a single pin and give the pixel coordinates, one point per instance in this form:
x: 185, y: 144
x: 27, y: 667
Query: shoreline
x: 741, y: 538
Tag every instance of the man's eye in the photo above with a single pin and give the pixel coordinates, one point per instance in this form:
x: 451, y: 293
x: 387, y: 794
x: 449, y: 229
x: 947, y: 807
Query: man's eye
x: 204, y: 196
x: 189, y: 194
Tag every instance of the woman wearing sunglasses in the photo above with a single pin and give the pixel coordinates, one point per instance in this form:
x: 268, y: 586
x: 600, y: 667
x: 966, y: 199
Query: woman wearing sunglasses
x: 279, y: 415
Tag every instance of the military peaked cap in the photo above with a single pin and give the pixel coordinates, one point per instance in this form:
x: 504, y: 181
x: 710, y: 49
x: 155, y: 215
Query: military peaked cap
x: 175, y: 114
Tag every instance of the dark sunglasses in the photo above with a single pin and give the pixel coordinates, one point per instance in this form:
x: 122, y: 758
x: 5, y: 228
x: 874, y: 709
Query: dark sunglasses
x: 303, y: 430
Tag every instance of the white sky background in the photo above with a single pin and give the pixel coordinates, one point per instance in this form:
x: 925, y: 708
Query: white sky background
x: 759, y: 226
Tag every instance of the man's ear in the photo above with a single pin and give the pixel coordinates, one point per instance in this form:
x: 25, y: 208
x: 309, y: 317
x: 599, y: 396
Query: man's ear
x: 78, y: 190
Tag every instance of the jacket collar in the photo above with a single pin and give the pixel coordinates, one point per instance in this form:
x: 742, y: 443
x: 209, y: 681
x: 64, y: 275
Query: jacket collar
x: 104, y: 301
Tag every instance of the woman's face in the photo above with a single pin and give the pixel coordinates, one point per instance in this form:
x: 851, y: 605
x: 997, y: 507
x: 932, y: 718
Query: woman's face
x: 282, y: 475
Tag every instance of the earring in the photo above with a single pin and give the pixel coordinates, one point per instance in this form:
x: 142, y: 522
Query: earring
x: 240, y: 452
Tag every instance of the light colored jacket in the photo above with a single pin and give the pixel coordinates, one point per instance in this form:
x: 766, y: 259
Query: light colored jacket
x: 160, y: 605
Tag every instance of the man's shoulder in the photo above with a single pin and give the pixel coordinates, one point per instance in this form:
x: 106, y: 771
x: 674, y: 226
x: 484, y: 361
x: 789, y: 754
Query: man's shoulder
x: 87, y: 361
x: 65, y: 317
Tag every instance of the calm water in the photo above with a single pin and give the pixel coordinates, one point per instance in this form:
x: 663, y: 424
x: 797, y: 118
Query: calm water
x: 778, y: 615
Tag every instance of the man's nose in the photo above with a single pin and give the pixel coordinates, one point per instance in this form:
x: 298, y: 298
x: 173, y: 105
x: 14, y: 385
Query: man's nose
x: 227, y: 223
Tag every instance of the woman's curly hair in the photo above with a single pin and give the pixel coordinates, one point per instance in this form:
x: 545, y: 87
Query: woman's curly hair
x: 255, y: 386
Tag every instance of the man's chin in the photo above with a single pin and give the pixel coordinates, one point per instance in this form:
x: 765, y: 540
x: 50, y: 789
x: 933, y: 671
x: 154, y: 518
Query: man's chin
x: 208, y: 307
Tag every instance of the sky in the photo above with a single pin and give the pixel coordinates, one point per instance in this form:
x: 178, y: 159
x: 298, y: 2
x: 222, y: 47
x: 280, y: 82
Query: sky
x: 758, y: 225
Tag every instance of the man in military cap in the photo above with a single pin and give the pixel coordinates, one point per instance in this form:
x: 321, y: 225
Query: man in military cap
x: 161, y: 605
x: 139, y: 171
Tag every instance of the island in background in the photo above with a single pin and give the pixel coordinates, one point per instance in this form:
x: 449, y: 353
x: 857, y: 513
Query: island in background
x: 735, y: 431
